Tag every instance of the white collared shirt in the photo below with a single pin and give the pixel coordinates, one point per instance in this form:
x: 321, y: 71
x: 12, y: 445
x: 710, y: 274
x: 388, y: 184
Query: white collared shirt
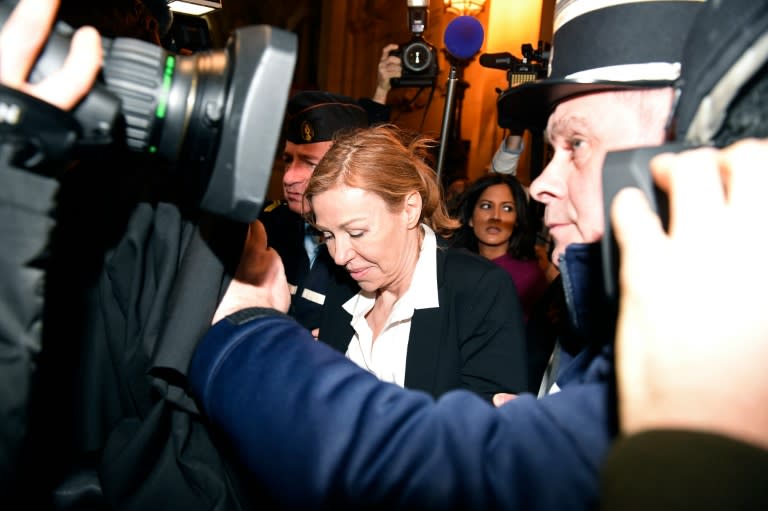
x: 386, y: 357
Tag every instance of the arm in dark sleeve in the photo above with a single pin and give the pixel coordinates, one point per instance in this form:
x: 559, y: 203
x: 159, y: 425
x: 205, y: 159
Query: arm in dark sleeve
x: 322, y: 433
x: 377, y: 113
x: 26, y: 206
x: 676, y: 469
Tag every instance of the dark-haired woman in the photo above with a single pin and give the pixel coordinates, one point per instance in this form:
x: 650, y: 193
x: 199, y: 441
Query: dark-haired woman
x: 496, y: 224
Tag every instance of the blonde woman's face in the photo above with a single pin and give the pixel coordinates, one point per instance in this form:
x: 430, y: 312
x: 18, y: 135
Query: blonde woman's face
x: 378, y: 247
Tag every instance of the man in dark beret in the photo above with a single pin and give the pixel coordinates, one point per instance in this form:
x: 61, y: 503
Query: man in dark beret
x: 312, y: 120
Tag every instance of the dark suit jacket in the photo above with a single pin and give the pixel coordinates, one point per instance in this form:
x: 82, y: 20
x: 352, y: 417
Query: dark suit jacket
x: 27, y: 203
x: 474, y: 340
x: 285, y: 234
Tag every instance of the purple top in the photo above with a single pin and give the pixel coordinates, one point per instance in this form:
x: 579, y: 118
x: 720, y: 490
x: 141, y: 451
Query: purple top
x: 528, y: 277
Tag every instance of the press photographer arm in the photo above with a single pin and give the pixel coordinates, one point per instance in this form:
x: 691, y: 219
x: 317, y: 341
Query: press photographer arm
x: 508, y: 154
x: 390, y: 66
x: 27, y: 203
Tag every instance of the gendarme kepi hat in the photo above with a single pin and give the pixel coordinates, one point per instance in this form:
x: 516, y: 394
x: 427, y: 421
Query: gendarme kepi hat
x: 316, y: 116
x: 603, y: 45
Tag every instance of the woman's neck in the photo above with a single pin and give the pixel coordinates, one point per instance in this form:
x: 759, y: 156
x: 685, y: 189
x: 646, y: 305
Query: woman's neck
x: 402, y: 284
x: 387, y: 297
x: 491, y: 252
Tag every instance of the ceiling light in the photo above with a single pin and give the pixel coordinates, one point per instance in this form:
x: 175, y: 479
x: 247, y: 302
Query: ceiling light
x: 194, y: 7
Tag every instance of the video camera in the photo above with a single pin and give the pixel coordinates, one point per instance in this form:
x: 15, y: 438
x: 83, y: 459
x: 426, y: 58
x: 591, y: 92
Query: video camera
x: 210, y: 115
x: 419, y: 58
x: 532, y: 66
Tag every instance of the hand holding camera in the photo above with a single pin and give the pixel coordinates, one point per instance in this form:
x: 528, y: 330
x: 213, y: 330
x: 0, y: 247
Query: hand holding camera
x: 192, y: 111
x: 716, y: 202
x: 22, y: 38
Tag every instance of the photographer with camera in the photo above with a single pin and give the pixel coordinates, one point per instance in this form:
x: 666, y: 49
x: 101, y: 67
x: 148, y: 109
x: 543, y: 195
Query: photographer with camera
x: 390, y: 68
x: 125, y: 433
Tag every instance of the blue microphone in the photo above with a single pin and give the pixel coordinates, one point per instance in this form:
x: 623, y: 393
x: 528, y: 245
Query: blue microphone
x: 463, y: 37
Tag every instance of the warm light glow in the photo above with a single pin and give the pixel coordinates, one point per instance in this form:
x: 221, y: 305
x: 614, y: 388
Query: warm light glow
x: 194, y: 7
x: 464, y: 7
x: 508, y: 24
x: 512, y: 24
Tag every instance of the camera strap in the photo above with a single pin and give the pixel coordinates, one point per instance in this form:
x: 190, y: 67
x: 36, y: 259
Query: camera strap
x: 35, y: 135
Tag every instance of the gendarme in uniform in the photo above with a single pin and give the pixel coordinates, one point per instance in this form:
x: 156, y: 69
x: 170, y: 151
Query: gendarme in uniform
x: 311, y: 117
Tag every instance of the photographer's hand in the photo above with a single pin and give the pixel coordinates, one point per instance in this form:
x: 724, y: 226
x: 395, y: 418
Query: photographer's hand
x: 692, y: 336
x: 260, y: 278
x: 390, y: 67
x: 24, y: 35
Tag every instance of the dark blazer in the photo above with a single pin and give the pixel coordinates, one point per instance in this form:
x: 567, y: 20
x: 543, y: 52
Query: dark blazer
x: 475, y: 340
x: 285, y: 233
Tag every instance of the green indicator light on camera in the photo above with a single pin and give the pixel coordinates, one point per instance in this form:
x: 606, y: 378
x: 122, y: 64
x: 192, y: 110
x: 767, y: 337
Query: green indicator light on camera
x: 170, y: 64
x: 152, y: 149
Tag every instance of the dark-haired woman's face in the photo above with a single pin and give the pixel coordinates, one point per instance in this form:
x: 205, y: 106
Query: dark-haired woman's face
x: 494, y: 217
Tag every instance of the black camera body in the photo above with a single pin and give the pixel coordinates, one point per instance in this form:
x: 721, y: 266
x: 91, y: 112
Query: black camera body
x: 419, y: 60
x: 623, y: 169
x: 532, y: 66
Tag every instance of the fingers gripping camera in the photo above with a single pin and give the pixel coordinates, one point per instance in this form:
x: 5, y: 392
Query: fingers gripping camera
x: 211, y: 117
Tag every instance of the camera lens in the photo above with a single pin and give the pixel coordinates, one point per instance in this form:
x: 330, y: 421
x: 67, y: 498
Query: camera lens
x: 172, y: 104
x: 417, y: 56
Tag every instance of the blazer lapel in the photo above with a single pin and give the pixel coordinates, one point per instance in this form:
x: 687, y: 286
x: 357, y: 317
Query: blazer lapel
x: 424, y: 341
x: 423, y: 350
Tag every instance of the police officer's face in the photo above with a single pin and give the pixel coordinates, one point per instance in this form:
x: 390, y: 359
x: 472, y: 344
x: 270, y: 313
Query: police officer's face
x: 581, y: 131
x: 300, y: 161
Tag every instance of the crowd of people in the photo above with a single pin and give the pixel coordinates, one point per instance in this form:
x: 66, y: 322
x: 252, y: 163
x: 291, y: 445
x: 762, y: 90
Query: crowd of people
x: 358, y: 347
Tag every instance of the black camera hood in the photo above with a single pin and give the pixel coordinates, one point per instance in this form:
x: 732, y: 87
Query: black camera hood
x: 258, y: 94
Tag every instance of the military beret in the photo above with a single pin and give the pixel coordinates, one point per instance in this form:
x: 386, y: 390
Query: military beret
x: 315, y: 116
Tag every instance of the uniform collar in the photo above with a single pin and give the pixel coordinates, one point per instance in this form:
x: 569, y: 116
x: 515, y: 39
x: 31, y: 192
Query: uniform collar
x: 592, y: 315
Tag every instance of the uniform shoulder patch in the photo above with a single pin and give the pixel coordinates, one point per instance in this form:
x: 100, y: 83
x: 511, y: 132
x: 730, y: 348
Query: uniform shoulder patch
x: 272, y: 205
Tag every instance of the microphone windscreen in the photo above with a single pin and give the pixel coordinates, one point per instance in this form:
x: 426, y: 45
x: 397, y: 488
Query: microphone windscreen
x: 463, y: 37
